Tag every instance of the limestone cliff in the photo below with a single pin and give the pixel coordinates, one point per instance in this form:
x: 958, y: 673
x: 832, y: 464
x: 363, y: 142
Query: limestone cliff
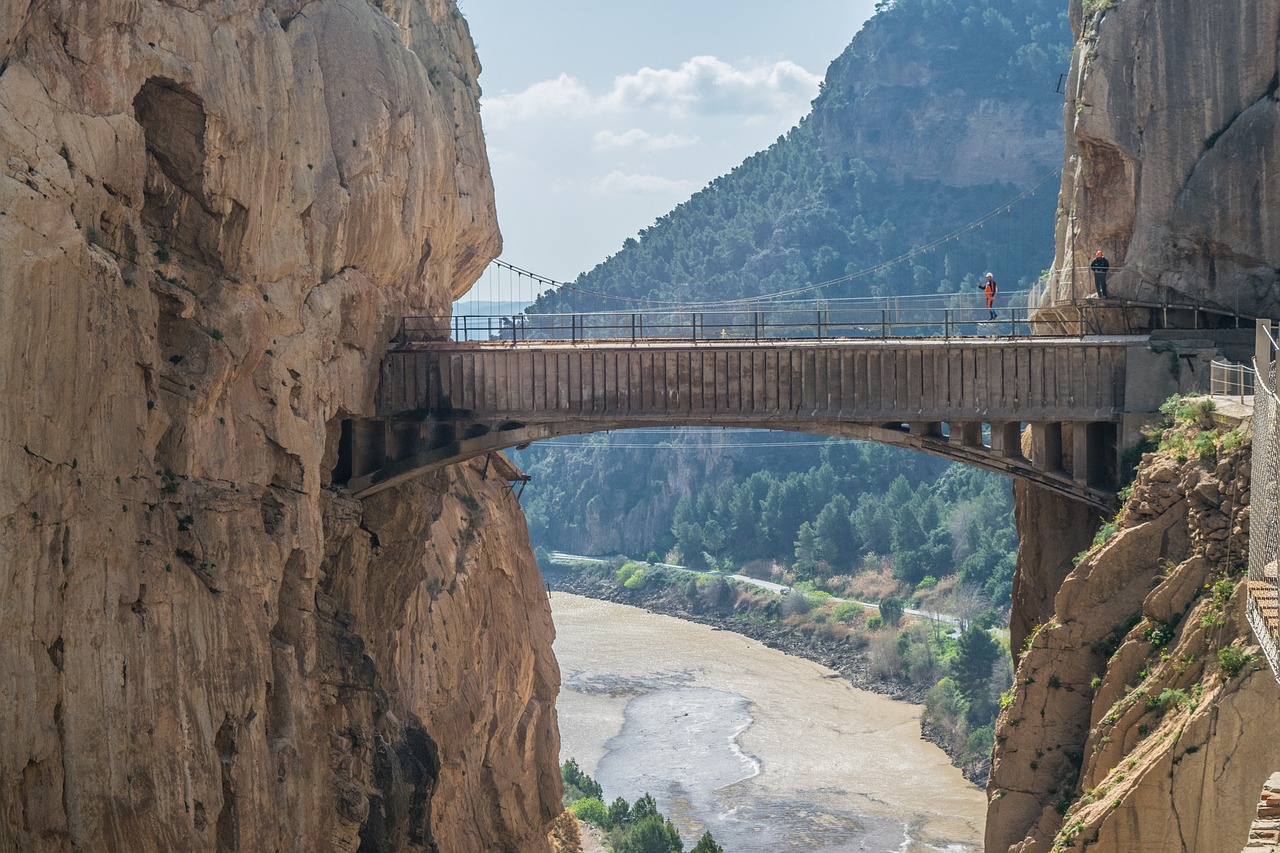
x: 1139, y: 717
x: 1173, y: 124
x: 212, y: 217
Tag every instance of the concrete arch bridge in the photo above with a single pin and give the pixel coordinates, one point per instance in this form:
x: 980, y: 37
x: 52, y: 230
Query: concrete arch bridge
x: 968, y: 399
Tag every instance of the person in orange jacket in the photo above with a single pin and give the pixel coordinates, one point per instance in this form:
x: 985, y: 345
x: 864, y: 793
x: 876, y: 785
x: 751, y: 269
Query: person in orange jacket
x: 989, y: 290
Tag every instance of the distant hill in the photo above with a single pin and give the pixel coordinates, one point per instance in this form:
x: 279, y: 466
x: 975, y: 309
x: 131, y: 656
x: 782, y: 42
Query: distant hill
x: 939, y: 113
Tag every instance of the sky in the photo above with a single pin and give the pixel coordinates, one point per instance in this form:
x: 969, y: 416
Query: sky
x: 600, y: 116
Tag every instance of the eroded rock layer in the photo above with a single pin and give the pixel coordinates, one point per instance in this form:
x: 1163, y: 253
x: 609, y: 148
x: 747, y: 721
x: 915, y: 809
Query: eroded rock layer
x: 212, y: 217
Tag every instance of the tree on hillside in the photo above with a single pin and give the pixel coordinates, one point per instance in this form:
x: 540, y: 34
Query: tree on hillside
x: 891, y: 610
x: 707, y: 844
x: 976, y: 654
x: 652, y: 834
x: 834, y: 528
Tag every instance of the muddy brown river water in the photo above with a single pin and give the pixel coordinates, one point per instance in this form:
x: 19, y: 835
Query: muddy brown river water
x: 769, y: 752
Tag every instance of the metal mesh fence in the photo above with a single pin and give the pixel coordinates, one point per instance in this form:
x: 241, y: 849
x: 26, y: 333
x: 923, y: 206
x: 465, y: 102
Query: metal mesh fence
x: 1264, y: 507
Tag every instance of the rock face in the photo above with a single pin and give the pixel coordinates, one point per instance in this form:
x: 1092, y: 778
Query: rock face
x: 1139, y: 717
x: 1173, y: 125
x: 212, y: 217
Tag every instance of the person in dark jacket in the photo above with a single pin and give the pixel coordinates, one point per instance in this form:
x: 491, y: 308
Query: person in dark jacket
x: 1100, y: 266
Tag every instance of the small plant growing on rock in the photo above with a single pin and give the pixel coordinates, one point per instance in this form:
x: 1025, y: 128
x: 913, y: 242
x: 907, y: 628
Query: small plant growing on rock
x: 1231, y: 660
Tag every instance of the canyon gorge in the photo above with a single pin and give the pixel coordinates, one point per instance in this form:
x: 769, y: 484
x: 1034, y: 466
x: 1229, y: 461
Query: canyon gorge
x: 213, y: 216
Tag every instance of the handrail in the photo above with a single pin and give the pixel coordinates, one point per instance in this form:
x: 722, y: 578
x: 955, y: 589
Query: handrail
x: 1230, y: 379
x: 815, y: 322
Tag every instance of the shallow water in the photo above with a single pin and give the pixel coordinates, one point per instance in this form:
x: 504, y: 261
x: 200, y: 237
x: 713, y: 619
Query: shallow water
x: 769, y: 752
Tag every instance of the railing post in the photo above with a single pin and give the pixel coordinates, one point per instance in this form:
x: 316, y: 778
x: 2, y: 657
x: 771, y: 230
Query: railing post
x: 755, y: 325
x: 633, y: 328
x: 884, y: 322
x: 819, y: 324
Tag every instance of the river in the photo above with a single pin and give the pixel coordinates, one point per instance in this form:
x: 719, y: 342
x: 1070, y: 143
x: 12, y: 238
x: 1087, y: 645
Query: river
x: 769, y: 752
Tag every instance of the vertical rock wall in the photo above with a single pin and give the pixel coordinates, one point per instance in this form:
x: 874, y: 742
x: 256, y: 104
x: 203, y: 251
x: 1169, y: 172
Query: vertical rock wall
x: 1173, y: 125
x: 1127, y: 728
x: 212, y: 216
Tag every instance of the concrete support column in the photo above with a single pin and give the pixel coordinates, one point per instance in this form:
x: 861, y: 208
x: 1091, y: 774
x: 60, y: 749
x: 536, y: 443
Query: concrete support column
x: 1006, y: 439
x: 402, y: 439
x: 1081, y: 453
x: 967, y: 434
x: 368, y: 446
x: 1046, y: 446
x: 927, y: 429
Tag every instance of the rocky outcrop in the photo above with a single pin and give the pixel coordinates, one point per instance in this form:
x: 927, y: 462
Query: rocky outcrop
x: 1264, y: 834
x: 1172, y: 120
x: 1138, y: 717
x: 213, y: 217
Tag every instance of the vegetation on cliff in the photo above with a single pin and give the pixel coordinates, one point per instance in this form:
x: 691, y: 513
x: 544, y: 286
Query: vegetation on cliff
x: 1134, y: 693
x: 630, y: 827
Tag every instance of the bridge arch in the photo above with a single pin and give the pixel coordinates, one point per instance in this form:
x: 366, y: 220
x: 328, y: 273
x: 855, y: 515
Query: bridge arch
x: 997, y: 448
x: 967, y: 400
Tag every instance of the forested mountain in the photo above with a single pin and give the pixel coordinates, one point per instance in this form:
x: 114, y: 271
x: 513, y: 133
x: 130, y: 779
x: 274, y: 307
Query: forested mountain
x: 938, y: 113
x: 940, y: 118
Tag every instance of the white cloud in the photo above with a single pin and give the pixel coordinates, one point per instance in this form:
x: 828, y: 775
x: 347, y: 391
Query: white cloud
x: 563, y: 97
x: 643, y: 140
x: 708, y: 85
x: 620, y: 183
x: 703, y: 85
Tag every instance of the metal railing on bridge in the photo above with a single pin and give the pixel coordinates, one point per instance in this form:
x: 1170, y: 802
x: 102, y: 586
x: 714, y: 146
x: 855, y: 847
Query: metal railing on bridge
x: 897, y: 318
x: 765, y: 324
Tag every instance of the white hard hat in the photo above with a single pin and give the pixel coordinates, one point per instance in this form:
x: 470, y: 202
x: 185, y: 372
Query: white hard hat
x: 989, y: 275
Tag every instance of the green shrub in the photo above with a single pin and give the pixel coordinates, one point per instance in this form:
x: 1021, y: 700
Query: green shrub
x: 1159, y: 635
x: 1231, y: 660
x: 592, y: 811
x: 846, y: 611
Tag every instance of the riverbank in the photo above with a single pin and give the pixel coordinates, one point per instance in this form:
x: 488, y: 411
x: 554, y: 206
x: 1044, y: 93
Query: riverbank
x: 767, y: 750
x: 836, y: 654
x: 854, y: 661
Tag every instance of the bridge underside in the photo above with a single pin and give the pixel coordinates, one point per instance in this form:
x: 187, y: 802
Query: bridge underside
x: 1075, y: 459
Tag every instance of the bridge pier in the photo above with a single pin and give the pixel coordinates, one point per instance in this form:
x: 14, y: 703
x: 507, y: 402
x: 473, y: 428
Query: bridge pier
x: 367, y: 444
x: 1006, y: 440
x: 967, y: 434
x: 1046, y: 447
x: 927, y: 429
x: 1094, y: 454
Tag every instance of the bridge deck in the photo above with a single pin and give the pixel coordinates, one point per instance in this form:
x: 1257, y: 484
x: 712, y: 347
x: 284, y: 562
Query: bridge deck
x: 1022, y: 379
